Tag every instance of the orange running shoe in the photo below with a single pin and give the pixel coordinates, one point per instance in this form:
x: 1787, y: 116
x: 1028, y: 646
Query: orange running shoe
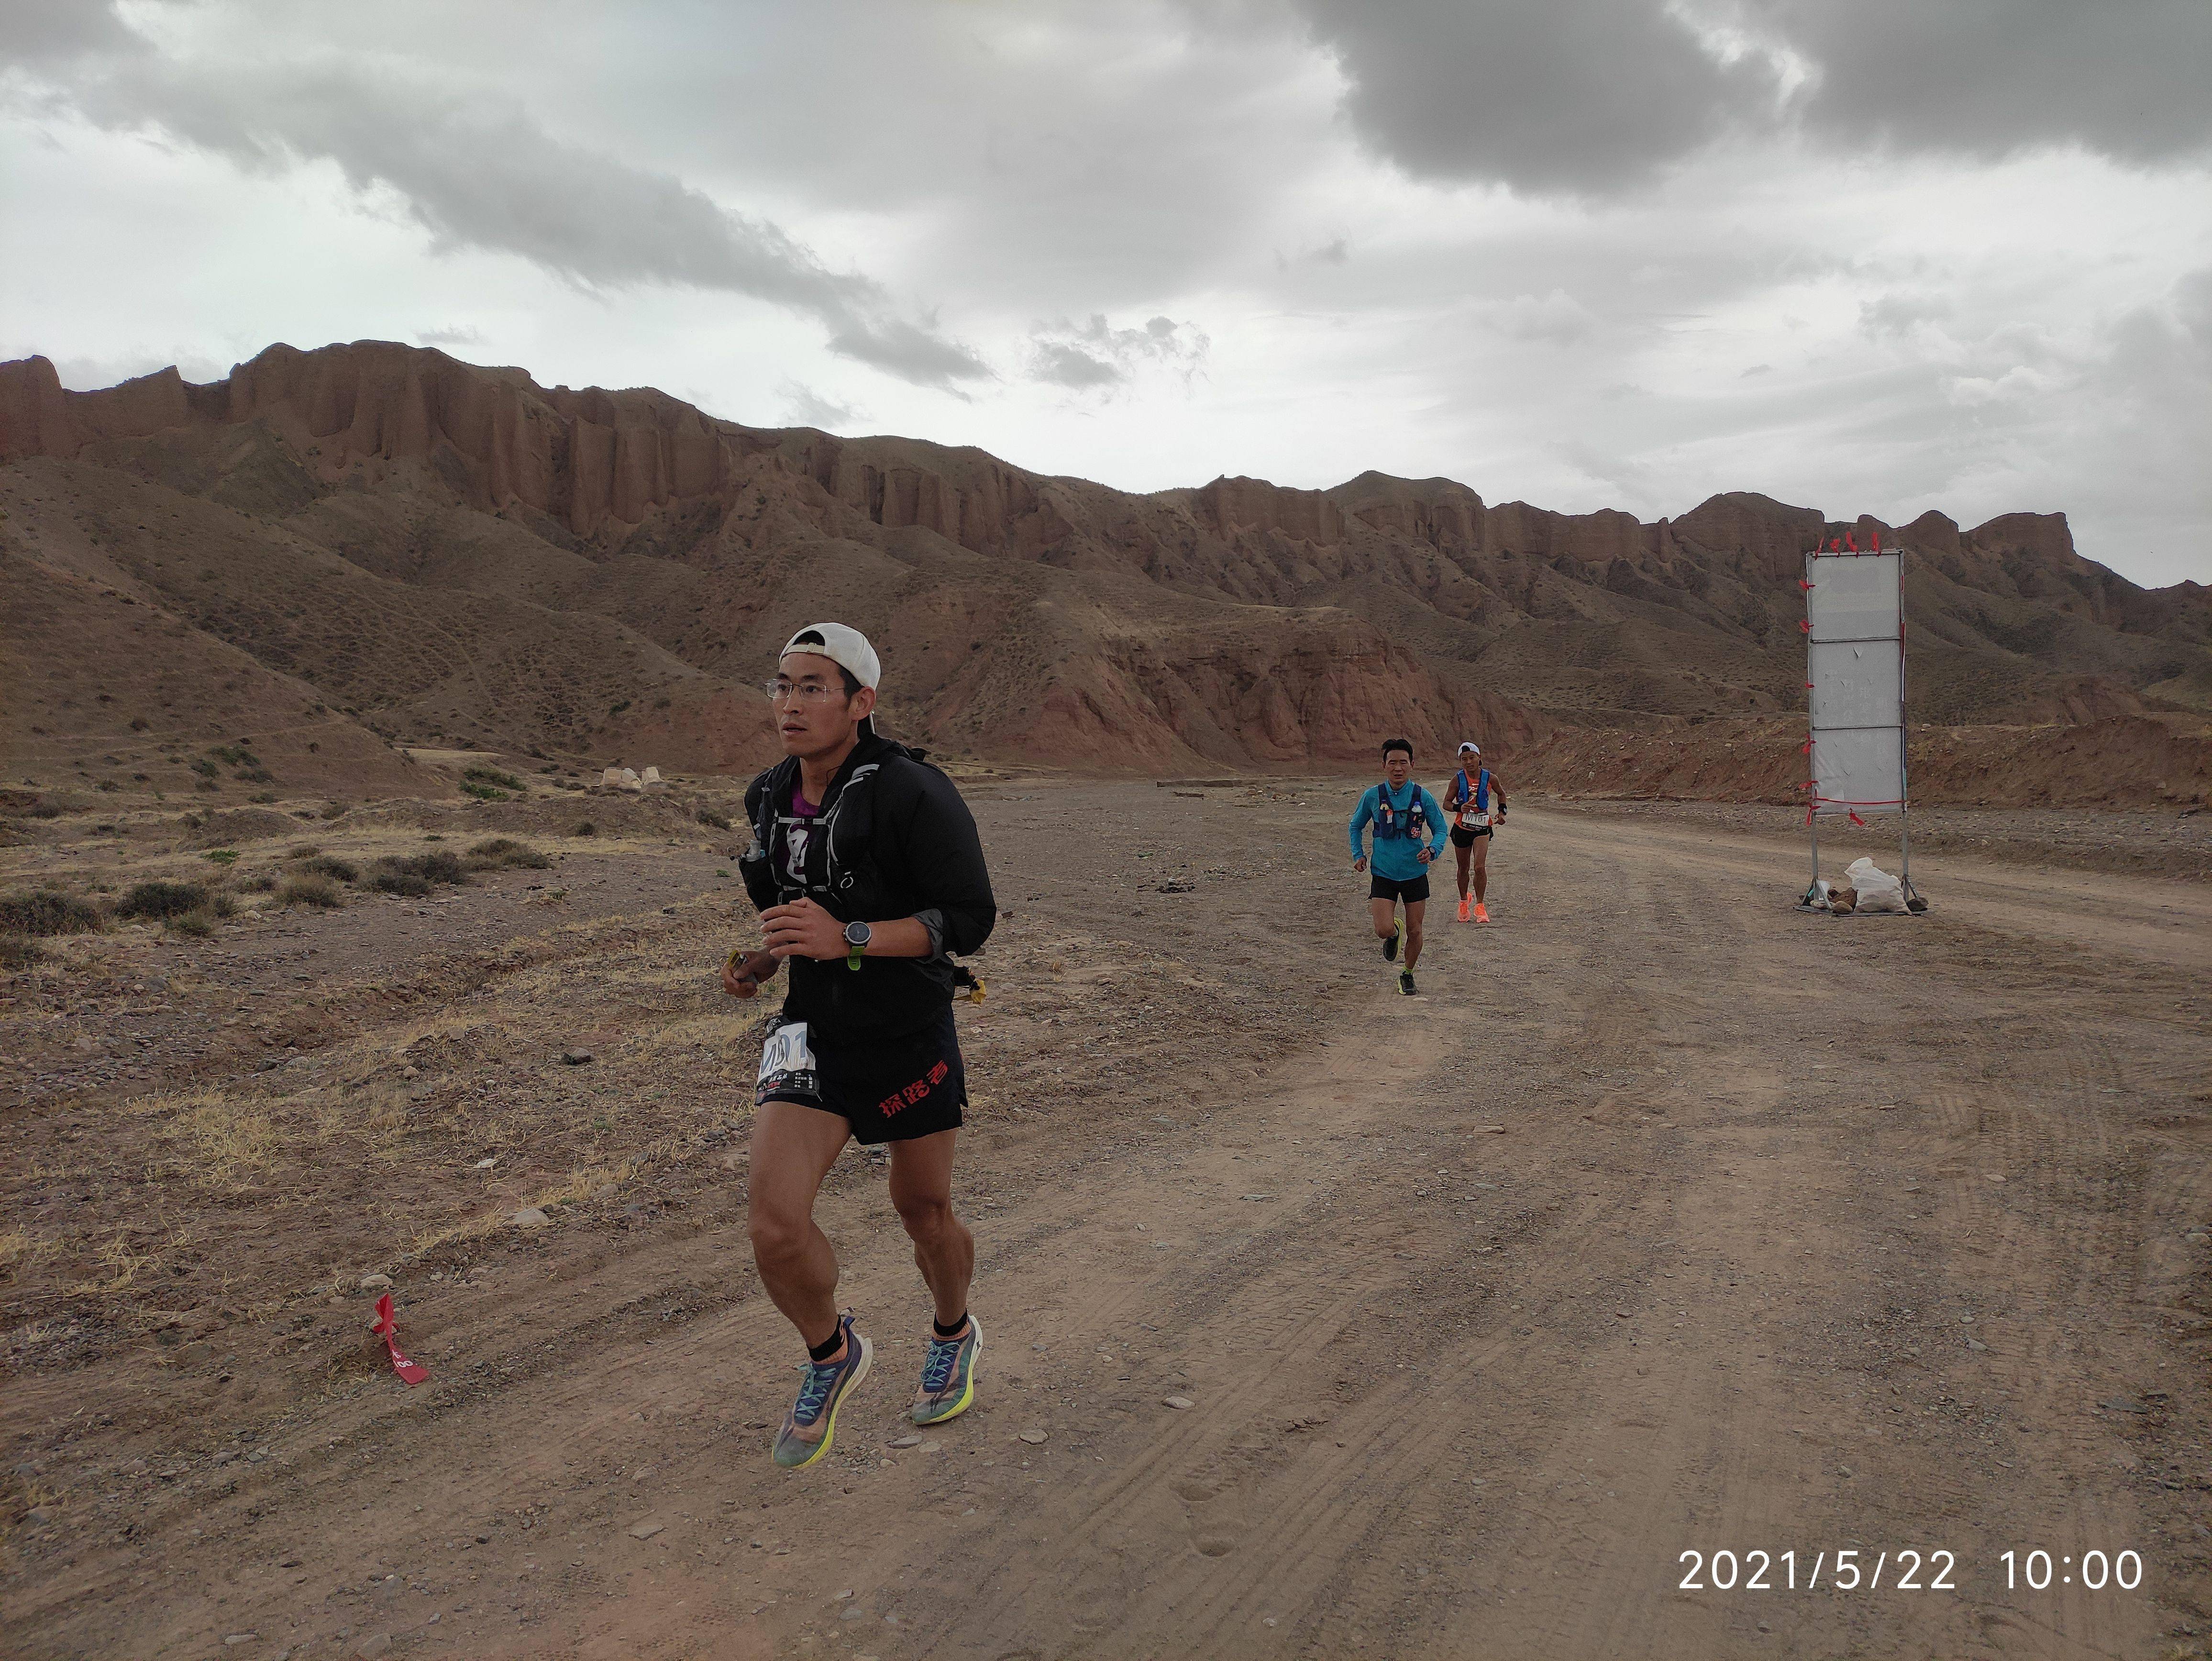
x: 1481, y: 912
x: 1462, y: 907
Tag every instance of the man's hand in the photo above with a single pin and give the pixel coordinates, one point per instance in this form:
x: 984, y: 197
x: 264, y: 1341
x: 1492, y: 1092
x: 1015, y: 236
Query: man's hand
x: 743, y: 972
x: 1426, y: 855
x: 1360, y: 864
x: 803, y: 929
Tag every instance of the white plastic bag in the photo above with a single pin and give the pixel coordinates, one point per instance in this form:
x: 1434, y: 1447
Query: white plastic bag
x: 1878, y: 890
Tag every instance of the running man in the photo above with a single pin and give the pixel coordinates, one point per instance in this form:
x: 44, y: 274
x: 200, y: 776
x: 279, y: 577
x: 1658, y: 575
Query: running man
x: 1407, y: 823
x: 1471, y: 797
x: 868, y: 873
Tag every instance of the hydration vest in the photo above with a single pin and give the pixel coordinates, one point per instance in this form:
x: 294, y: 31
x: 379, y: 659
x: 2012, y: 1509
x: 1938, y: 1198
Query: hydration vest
x: 1391, y: 823
x: 1478, y: 793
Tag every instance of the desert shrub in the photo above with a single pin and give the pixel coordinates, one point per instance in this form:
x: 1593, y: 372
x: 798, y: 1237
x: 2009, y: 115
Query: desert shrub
x: 223, y: 906
x: 325, y: 865
x: 42, y: 911
x: 708, y: 816
x: 306, y: 850
x: 503, y: 851
x: 19, y: 951
x: 414, y: 874
x: 483, y: 792
x: 586, y: 829
x: 260, y: 883
x: 309, y: 889
x: 222, y: 855
x: 204, y: 768
x: 197, y: 924
x: 334, y: 810
x: 162, y: 899
x: 492, y: 776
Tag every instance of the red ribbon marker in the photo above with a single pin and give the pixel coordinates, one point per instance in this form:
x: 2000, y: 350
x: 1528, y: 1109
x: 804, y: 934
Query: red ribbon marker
x: 1805, y: 625
x: 406, y: 1369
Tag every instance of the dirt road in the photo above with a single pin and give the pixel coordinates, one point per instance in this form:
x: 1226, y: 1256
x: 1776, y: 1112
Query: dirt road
x: 1666, y: 1220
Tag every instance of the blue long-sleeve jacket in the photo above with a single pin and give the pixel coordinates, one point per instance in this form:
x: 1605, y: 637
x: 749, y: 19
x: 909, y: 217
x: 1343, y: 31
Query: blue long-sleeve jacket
x: 1397, y: 857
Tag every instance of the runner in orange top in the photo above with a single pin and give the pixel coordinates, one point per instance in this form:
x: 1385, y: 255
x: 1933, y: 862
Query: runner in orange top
x: 1476, y: 801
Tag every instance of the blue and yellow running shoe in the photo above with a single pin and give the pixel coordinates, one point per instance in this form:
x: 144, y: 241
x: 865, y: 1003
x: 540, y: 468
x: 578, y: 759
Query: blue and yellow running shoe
x: 1390, y: 942
x: 948, y: 1377
x: 812, y: 1424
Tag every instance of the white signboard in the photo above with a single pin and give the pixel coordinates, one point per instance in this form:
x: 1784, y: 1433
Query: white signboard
x: 1854, y: 663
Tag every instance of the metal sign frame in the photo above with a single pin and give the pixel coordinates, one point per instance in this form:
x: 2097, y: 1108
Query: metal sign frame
x: 1817, y: 562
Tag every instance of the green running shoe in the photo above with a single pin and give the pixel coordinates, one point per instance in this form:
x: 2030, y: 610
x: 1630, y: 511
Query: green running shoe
x: 812, y: 1425
x: 1406, y: 983
x: 948, y: 1377
x: 1390, y: 945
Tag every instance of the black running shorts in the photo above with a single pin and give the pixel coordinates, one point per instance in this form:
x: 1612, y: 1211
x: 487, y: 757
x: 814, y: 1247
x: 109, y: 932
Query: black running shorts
x: 888, y: 1091
x: 1464, y: 836
x: 1412, y: 892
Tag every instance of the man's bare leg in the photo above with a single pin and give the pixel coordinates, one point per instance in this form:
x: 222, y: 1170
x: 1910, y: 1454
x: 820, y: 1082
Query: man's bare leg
x: 1481, y: 851
x: 943, y: 1249
x: 1412, y: 954
x: 1382, y: 911
x: 1460, y: 854
x: 792, y: 1150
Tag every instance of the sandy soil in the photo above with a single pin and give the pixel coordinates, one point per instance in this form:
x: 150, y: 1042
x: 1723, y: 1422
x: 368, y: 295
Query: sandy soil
x: 1666, y: 1220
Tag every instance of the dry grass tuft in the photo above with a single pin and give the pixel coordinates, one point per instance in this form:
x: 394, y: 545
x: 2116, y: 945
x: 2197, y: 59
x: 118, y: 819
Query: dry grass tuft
x: 213, y: 1138
x: 160, y: 899
x: 310, y: 889
x: 44, y: 911
x: 501, y: 852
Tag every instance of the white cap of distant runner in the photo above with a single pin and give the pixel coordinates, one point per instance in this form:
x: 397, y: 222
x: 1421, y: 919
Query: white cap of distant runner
x: 847, y: 647
x: 1470, y: 748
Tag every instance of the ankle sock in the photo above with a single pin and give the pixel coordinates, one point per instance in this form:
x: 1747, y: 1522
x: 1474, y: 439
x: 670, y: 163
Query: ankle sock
x: 945, y: 1331
x: 822, y: 1352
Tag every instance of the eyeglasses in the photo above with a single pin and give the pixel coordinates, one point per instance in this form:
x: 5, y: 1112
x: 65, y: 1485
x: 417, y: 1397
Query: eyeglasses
x: 782, y: 691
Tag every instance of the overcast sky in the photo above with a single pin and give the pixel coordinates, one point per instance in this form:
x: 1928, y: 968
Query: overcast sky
x: 1863, y: 255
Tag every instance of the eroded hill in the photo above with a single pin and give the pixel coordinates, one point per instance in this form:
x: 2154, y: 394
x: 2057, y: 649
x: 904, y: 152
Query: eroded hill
x: 429, y: 552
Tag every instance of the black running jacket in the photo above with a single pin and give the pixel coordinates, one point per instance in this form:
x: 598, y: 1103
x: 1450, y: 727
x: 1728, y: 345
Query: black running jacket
x: 893, y: 839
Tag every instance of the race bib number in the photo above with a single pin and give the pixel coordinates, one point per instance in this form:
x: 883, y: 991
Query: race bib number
x: 1472, y: 820
x: 787, y: 1063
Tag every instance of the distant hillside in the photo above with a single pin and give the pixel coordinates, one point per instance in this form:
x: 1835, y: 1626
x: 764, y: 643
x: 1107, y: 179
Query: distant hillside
x: 419, y: 550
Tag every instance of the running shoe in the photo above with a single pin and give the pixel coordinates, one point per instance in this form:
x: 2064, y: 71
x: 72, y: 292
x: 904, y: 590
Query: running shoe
x: 1390, y: 945
x: 812, y: 1425
x: 1481, y: 912
x: 948, y: 1377
x: 1406, y: 983
x: 1462, y: 907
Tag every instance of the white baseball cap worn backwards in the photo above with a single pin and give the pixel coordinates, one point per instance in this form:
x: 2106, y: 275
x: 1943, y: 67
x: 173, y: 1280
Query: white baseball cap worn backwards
x: 848, y: 648
x: 1470, y: 748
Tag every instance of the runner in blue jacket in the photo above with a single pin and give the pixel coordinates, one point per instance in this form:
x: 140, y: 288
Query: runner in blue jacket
x: 1409, y: 829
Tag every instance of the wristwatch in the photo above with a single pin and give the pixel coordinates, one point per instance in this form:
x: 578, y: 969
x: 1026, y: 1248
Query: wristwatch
x: 857, y: 936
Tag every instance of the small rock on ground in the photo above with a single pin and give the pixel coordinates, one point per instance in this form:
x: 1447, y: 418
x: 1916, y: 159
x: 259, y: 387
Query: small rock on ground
x: 376, y: 1283
x: 905, y: 1442
x: 530, y: 1217
x: 645, y: 1530
x: 1032, y: 1437
x: 1178, y: 1403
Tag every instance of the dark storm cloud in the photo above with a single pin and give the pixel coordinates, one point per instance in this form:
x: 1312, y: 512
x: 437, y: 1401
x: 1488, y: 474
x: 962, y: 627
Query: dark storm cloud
x: 1599, y: 96
x: 2123, y: 78
x: 45, y: 31
x: 494, y: 179
x: 1570, y: 94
